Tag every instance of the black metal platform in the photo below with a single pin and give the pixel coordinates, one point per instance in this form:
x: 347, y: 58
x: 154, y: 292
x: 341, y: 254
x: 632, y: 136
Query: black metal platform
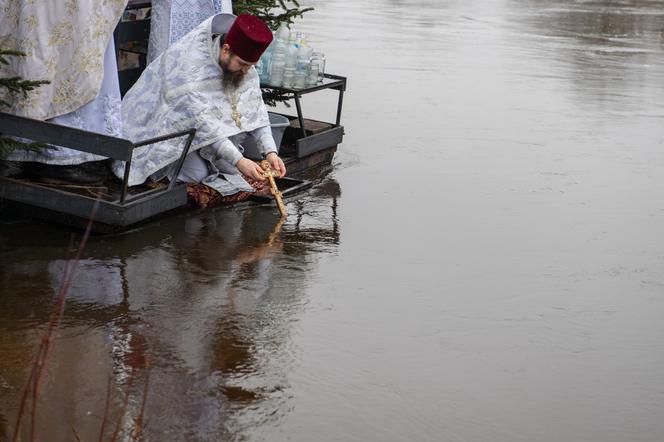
x: 121, y: 207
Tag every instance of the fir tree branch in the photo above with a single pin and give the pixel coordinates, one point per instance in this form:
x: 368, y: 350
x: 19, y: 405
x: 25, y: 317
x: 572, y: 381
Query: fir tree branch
x: 264, y: 9
x: 17, y: 84
x: 3, y: 60
x: 272, y: 96
x: 8, y: 145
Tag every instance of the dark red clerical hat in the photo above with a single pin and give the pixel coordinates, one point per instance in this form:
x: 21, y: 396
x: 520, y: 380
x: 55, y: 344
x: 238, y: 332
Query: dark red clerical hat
x: 248, y: 37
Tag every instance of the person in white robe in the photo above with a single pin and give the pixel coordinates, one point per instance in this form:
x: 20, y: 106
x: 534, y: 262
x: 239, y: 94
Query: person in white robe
x: 205, y: 81
x: 69, y: 44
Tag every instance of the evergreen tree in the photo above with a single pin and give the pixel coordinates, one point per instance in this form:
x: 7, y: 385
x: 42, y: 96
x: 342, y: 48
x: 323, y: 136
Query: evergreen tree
x: 272, y: 12
x: 16, y: 85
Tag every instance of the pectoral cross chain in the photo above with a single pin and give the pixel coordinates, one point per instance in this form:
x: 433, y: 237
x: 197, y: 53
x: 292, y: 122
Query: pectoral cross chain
x: 236, y: 115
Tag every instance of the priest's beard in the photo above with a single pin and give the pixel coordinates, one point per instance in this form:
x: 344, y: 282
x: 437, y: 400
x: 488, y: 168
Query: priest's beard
x: 231, y: 78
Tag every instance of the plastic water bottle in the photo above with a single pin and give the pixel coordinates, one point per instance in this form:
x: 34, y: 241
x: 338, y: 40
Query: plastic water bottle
x: 278, y: 46
x: 291, y: 56
x: 312, y: 75
x: 277, y: 68
x: 300, y: 80
x: 303, y: 57
x: 292, y: 39
x: 318, y: 59
x: 282, y: 34
x: 299, y: 39
x: 264, y: 66
x: 289, y: 78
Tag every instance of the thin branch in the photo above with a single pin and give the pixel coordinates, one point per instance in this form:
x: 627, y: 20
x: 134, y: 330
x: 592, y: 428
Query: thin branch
x: 47, y: 338
x: 139, y: 420
x: 24, y: 398
x: 78, y: 439
x: 106, y: 407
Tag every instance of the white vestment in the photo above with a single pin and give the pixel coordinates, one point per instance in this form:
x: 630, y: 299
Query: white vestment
x: 69, y: 44
x: 183, y: 89
x: 64, y: 43
x: 102, y: 115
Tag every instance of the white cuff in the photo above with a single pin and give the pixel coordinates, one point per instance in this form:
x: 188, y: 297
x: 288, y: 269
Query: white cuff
x: 265, y: 140
x: 226, y: 150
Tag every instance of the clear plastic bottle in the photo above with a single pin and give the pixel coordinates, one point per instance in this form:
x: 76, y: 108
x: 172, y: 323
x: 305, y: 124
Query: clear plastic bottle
x: 278, y: 47
x: 300, y: 80
x: 303, y: 56
x: 282, y: 34
x: 277, y: 68
x: 260, y: 67
x: 292, y: 39
x: 291, y: 56
x: 318, y: 59
x: 288, y: 78
x: 299, y: 39
x: 312, y: 75
x: 264, y: 66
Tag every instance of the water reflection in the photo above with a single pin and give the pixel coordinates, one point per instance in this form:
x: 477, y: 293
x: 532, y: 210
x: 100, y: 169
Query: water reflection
x: 207, y: 300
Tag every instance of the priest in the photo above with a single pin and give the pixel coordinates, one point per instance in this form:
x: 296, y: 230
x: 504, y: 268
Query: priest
x: 207, y: 81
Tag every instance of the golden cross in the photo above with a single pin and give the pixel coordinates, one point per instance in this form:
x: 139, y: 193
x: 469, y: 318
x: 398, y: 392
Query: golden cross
x: 270, y: 174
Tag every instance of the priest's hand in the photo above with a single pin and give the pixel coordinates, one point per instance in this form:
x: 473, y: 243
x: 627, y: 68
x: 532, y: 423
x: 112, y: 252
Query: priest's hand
x: 276, y: 163
x: 250, y: 169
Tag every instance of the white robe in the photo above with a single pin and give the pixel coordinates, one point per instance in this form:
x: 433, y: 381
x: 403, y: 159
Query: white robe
x: 69, y: 44
x: 64, y: 43
x: 102, y: 115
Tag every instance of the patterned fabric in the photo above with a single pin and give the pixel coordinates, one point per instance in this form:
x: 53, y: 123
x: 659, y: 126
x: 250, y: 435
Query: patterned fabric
x: 172, y: 19
x: 64, y: 42
x: 159, y: 28
x: 101, y: 115
x: 186, y: 15
x: 204, y: 196
x: 182, y: 89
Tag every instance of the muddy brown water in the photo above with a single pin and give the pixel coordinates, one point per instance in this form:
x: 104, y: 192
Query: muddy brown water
x: 484, y: 262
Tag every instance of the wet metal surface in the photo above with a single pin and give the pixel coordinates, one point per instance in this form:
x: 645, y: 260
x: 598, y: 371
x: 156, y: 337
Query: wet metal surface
x: 484, y: 262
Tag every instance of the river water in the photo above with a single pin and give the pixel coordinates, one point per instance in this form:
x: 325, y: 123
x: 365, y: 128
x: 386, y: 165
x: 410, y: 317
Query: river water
x: 484, y: 262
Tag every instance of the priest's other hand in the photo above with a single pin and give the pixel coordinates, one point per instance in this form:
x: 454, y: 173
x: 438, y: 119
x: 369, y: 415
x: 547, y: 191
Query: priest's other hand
x: 276, y: 163
x: 250, y: 169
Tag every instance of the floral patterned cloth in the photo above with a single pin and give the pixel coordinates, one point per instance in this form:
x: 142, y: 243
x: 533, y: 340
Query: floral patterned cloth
x: 205, y: 196
x: 64, y: 42
x: 101, y: 115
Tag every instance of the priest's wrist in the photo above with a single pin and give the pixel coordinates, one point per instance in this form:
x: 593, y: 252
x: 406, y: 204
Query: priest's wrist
x: 266, y: 155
